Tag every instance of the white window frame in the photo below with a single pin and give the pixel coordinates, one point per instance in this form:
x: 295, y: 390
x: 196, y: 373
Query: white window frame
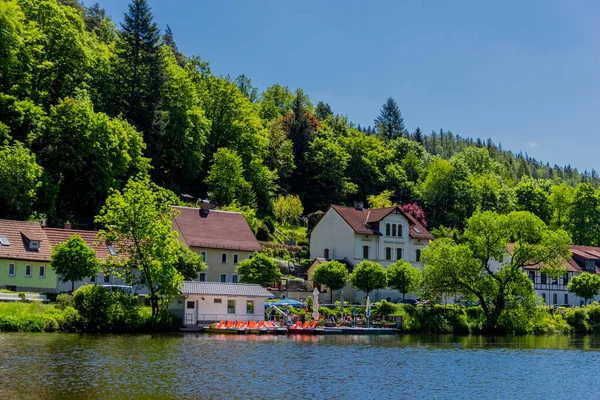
x: 399, y: 250
x: 14, y: 269
x: 201, y: 274
x: 399, y: 230
x: 223, y: 254
x: 248, y: 302
x: 236, y: 258
x: 203, y: 255
x: 34, y: 245
x: 368, y: 251
x: 234, y: 306
x: 235, y: 278
x: 42, y: 268
x: 388, y: 258
x: 221, y: 278
x: 388, y: 229
x: 394, y: 230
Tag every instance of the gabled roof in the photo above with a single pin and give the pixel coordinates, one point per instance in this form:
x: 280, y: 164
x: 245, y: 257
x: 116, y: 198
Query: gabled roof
x: 18, y: 233
x: 60, y: 235
x: 366, y: 221
x: 224, y: 289
x: 219, y: 230
x: 577, y: 262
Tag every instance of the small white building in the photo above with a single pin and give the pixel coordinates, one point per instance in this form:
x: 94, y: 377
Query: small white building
x: 383, y: 235
x: 208, y: 302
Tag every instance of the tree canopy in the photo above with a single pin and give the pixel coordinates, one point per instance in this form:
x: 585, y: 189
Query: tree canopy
x: 259, y: 269
x: 586, y: 286
x: 332, y: 274
x: 403, y: 277
x: 74, y: 260
x: 368, y: 276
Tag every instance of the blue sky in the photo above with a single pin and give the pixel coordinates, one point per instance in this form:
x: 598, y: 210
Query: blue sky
x: 523, y: 73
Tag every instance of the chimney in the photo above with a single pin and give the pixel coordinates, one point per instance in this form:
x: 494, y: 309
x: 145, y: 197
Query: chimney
x: 204, y: 209
x: 326, y: 254
x: 359, y: 205
x: 68, y: 225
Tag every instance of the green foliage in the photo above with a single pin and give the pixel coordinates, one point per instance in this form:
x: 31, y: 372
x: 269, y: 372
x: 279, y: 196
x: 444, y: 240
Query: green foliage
x: 74, y: 260
x: 64, y: 300
x: 332, y: 274
x: 103, y: 310
x: 586, y: 286
x: 288, y: 209
x: 381, y: 200
x: 19, y: 180
x: 226, y: 180
x: 403, y: 277
x: 259, y: 269
x: 389, y: 123
x: 467, y: 268
x: 189, y: 264
x: 368, y: 276
x: 137, y: 221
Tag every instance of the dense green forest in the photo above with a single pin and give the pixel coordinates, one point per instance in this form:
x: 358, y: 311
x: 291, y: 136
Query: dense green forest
x: 85, y: 104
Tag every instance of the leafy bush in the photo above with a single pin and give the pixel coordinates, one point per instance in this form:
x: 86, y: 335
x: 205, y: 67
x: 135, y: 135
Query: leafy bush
x: 63, y: 301
x: 104, y: 311
x: 384, y: 308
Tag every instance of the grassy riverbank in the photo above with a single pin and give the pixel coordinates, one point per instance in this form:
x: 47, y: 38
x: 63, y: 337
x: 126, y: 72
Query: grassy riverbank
x: 36, y: 317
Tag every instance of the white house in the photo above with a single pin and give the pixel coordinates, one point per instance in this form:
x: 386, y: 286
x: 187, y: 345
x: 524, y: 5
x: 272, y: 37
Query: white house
x: 207, y: 302
x: 555, y: 291
x: 383, y: 235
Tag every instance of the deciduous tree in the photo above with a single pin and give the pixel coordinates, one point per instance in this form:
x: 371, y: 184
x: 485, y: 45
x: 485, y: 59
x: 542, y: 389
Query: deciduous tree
x: 586, y: 286
x: 368, y: 276
x: 403, y: 277
x: 74, y: 260
x: 332, y: 274
x: 259, y: 269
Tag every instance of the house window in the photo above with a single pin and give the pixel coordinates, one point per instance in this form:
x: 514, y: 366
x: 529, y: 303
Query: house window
x: 28, y: 270
x: 203, y: 254
x: 4, y: 241
x: 418, y: 255
x: 190, y: 304
x: 532, y: 276
x: 365, y: 252
x: 42, y: 271
x: 230, y: 306
x: 590, y: 265
x: 398, y: 253
x: 400, y: 230
x: 250, y: 307
x: 543, y: 278
x: 218, y: 301
x: 554, y: 281
x: 107, y: 278
x: 387, y: 229
x: 394, y: 230
x: 202, y: 276
x: 224, y: 258
x: 34, y: 245
x: 544, y: 297
x: 223, y: 278
x: 111, y: 250
x: 554, y: 298
x: 566, y: 299
x: 234, y: 278
x: 236, y: 258
x: 11, y: 269
x: 250, y: 256
x: 388, y: 253
x: 565, y: 279
x: 93, y: 278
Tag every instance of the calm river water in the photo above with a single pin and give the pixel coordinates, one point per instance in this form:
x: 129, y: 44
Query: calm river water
x: 70, y: 366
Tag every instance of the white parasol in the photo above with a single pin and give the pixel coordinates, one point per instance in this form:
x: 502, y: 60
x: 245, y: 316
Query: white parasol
x: 315, y: 313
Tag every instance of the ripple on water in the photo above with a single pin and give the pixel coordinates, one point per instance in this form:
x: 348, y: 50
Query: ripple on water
x: 69, y: 366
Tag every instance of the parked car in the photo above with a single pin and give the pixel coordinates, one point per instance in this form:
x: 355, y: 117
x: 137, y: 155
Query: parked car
x: 412, y: 302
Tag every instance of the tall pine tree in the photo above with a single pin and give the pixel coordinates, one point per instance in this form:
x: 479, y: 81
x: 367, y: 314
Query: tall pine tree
x: 390, y: 124
x: 141, y: 74
x: 418, y: 135
x: 301, y: 132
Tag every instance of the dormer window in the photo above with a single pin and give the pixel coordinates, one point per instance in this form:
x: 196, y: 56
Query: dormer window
x: 34, y: 245
x: 590, y: 265
x: 111, y: 250
x: 4, y: 241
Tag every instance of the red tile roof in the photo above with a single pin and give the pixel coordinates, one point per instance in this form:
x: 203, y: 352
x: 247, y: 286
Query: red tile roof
x: 18, y: 233
x: 366, y: 221
x: 219, y: 230
x: 59, y: 235
x: 577, y: 262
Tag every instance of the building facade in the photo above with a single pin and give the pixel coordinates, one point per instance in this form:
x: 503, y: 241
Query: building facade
x: 382, y: 235
x: 25, y: 258
x: 223, y: 238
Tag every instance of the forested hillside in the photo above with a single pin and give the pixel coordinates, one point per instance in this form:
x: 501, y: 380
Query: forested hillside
x: 86, y: 104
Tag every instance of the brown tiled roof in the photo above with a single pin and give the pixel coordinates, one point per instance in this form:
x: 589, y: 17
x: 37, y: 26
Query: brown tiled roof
x: 59, y: 235
x: 17, y: 233
x: 577, y: 262
x: 366, y: 221
x: 219, y: 230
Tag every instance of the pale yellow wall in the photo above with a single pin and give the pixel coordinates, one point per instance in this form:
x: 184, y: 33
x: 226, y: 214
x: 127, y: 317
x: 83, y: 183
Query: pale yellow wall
x: 216, y: 267
x: 24, y: 283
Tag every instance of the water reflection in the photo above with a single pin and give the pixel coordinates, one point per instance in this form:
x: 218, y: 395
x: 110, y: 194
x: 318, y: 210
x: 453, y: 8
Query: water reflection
x: 273, y: 366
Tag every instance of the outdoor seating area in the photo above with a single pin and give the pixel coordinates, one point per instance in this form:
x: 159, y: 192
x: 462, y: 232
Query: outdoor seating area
x: 245, y: 327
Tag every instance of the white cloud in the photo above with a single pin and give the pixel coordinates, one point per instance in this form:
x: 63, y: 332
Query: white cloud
x: 533, y: 144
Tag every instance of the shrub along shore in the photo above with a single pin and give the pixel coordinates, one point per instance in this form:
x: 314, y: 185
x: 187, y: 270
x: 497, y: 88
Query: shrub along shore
x: 96, y: 309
